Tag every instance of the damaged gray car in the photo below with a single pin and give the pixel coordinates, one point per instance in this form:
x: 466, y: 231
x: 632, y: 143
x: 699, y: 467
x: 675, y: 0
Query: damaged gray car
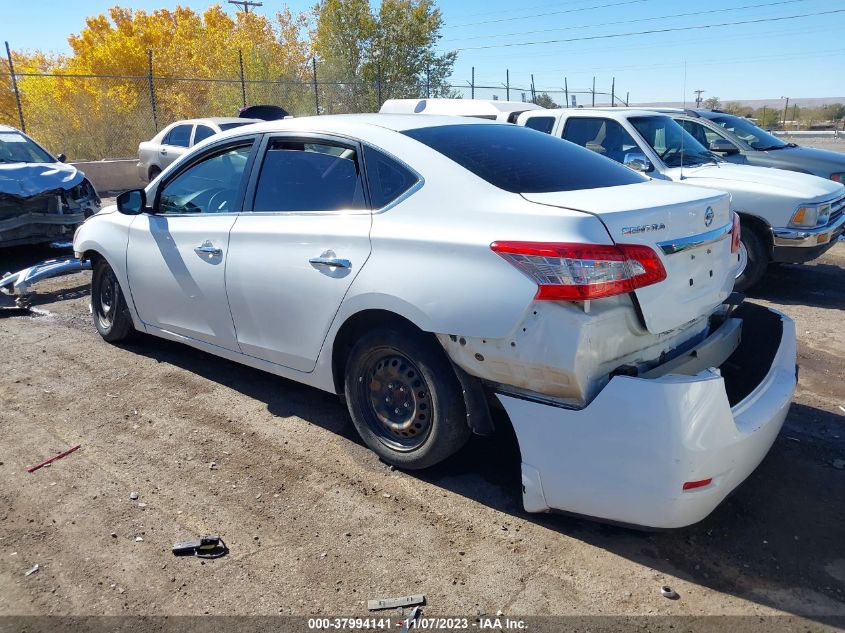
x: 42, y: 199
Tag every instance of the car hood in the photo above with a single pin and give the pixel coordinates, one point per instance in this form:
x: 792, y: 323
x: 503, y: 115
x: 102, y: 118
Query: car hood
x: 729, y: 177
x: 820, y: 161
x: 30, y: 179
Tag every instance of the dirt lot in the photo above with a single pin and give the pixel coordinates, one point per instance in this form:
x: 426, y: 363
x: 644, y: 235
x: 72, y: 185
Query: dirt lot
x: 316, y: 524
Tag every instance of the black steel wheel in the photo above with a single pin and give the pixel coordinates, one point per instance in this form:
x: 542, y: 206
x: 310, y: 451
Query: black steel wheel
x: 111, y: 316
x: 404, y: 398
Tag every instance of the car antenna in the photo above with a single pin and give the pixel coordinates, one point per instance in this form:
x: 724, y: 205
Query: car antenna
x: 681, y: 126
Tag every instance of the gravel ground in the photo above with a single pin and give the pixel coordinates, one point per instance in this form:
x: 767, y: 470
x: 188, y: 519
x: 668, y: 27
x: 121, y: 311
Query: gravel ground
x: 316, y: 524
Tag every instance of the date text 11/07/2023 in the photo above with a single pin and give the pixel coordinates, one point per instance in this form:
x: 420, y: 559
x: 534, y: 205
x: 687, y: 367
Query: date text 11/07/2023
x: 481, y: 623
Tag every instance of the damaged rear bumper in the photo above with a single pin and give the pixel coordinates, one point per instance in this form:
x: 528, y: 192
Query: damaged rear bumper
x: 627, y: 455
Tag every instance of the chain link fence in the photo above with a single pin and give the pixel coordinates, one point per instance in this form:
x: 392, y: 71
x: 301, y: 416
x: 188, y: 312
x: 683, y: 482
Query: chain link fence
x: 92, y: 117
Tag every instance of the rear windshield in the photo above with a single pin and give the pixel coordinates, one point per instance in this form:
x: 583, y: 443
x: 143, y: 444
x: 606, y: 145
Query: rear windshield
x: 521, y: 160
x: 229, y: 126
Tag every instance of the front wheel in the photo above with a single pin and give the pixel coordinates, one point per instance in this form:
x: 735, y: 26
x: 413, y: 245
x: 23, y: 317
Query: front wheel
x: 754, y: 255
x: 404, y: 398
x: 108, y: 305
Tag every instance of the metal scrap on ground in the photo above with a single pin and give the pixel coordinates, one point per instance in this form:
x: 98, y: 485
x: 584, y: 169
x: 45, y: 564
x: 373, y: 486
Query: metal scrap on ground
x: 392, y: 603
x: 32, y: 469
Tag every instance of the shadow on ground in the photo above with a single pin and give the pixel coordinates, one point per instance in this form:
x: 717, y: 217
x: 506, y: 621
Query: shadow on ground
x: 815, y: 284
x: 780, y: 532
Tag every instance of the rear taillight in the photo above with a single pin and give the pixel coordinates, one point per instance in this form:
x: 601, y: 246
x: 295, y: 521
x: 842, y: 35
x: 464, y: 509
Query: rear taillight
x: 579, y: 272
x: 735, y: 233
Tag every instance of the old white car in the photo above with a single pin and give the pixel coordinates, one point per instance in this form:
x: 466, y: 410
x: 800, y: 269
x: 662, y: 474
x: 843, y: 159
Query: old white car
x: 428, y: 268
x: 176, y: 139
x: 786, y: 216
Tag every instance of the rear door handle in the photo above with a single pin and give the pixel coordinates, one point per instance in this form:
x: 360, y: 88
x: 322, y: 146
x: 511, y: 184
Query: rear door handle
x: 329, y: 259
x: 207, y: 248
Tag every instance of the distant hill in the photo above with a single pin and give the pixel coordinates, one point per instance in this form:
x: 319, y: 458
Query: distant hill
x: 810, y: 102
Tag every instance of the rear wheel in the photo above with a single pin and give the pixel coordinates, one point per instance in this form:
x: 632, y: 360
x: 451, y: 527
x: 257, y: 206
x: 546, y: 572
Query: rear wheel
x: 404, y: 398
x: 111, y: 315
x: 754, y: 254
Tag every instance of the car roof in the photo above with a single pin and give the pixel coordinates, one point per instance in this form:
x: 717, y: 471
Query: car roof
x: 617, y: 113
x: 455, y: 107
x: 8, y: 128
x: 216, y: 120
x: 340, y: 123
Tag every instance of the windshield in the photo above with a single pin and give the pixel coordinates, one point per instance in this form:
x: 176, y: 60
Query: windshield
x: 672, y: 143
x: 16, y: 148
x: 750, y: 133
x: 521, y: 160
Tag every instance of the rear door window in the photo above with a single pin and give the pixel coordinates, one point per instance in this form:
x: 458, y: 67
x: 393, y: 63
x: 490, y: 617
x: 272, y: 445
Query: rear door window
x: 179, y: 136
x: 203, y: 132
x: 309, y: 176
x: 387, y: 178
x: 603, y: 136
x: 517, y: 159
x: 541, y: 123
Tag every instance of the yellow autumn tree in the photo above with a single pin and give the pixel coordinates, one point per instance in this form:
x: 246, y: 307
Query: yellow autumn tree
x: 103, y: 92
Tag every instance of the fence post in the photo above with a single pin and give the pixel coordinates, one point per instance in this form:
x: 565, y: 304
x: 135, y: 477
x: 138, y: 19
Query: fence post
x: 316, y: 90
x: 508, y: 83
x: 593, y: 92
x: 15, y: 87
x: 613, y: 93
x: 243, y: 85
x: 152, y: 87
x: 566, y: 91
x: 472, y: 84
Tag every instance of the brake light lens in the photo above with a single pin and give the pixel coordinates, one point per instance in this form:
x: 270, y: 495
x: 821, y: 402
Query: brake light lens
x: 736, y: 233
x: 840, y: 177
x: 580, y: 272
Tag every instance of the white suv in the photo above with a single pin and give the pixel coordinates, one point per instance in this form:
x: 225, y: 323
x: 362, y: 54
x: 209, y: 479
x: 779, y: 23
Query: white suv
x: 429, y: 267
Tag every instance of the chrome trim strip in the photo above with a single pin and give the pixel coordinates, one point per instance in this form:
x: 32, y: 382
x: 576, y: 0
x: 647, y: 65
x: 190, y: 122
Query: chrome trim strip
x: 670, y: 247
x: 808, y: 237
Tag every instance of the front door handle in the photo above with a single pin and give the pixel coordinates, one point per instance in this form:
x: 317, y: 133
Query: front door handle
x: 207, y: 248
x: 329, y: 259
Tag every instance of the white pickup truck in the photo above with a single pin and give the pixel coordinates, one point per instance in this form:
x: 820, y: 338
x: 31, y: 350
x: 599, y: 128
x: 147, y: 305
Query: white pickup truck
x: 786, y: 216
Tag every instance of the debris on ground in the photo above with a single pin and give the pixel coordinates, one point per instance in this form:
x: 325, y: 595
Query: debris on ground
x: 209, y: 546
x: 668, y: 592
x: 409, y: 621
x: 139, y: 539
x: 47, y: 462
x: 34, y: 569
x: 212, y: 466
x: 134, y: 495
x: 392, y: 603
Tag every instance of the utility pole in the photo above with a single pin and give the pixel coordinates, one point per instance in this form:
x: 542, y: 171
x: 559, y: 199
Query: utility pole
x: 785, y: 108
x: 698, y: 97
x: 246, y: 4
x: 533, y: 91
x: 594, y: 92
x: 507, y: 84
x: 613, y: 93
x: 15, y: 87
x: 566, y: 91
x: 472, y: 84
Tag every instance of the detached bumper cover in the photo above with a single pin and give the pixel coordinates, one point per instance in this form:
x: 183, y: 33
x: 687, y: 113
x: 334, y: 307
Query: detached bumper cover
x: 626, y: 456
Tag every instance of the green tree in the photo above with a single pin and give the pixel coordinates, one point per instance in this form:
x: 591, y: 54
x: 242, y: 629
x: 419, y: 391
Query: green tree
x: 391, y: 53
x: 545, y: 101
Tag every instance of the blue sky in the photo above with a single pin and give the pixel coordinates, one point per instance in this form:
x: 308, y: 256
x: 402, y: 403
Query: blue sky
x: 801, y: 57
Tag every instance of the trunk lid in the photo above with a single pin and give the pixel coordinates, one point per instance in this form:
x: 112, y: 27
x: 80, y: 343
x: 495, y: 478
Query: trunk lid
x: 688, y: 228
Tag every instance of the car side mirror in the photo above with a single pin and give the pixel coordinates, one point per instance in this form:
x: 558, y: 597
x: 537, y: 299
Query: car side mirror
x: 638, y: 162
x: 132, y: 202
x: 61, y: 158
x: 723, y: 146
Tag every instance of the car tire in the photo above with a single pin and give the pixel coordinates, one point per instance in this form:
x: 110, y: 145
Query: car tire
x: 757, y: 258
x: 155, y: 170
x: 404, y: 398
x: 108, y: 305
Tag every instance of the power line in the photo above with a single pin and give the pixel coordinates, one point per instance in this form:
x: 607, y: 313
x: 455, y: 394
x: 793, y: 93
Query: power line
x: 658, y: 17
x: 653, y: 31
x: 542, y: 15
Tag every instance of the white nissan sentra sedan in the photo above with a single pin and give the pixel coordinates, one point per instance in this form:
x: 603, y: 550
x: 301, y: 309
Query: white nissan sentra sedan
x: 428, y: 268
